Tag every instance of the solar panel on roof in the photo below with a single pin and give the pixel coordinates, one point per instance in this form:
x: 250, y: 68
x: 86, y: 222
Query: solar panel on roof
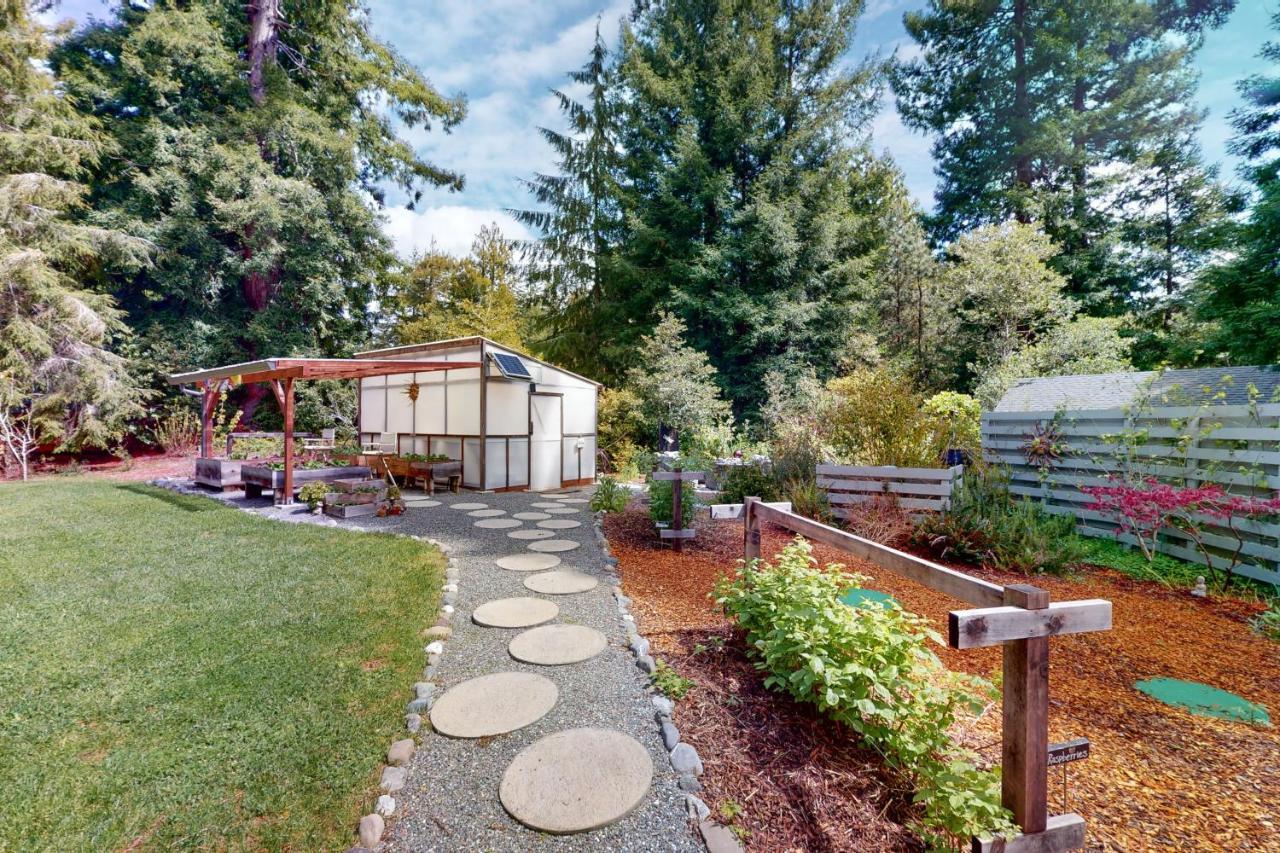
x: 511, y: 366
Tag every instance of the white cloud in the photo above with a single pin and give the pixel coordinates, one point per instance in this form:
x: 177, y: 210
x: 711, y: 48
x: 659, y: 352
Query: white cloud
x: 910, y: 150
x: 449, y: 228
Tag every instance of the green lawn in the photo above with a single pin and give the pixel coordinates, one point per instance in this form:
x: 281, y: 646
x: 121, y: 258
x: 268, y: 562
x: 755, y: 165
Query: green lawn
x: 177, y: 674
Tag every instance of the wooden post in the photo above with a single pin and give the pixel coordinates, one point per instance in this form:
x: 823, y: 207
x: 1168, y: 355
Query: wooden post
x: 677, y: 510
x: 751, y: 530
x: 209, y: 403
x: 1025, y: 748
x: 287, y: 409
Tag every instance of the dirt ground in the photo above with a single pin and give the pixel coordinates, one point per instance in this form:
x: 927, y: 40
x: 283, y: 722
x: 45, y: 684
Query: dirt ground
x: 1158, y: 778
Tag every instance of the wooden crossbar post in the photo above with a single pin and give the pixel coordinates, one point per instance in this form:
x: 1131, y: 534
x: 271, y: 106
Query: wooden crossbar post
x: 677, y: 510
x: 287, y: 409
x: 1025, y: 747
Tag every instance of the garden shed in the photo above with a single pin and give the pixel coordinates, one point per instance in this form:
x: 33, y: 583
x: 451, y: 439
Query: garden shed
x: 515, y: 421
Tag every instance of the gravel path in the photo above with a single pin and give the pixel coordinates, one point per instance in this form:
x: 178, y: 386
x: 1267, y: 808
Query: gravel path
x: 451, y: 799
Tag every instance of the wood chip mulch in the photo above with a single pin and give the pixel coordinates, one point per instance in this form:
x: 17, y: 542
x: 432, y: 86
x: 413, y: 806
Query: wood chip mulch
x: 1158, y: 778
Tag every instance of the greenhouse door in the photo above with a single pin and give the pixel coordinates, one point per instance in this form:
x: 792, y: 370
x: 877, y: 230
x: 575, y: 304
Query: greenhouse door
x: 546, y: 445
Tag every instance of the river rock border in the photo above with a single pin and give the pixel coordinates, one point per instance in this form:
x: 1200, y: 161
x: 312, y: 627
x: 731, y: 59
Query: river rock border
x: 684, y: 758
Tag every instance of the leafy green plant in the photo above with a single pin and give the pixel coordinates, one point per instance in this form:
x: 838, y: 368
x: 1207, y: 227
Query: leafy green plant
x: 960, y: 417
x: 748, y: 480
x: 660, y: 509
x: 610, y: 496
x: 986, y: 524
x: 313, y: 492
x: 670, y: 682
x: 178, y: 430
x: 807, y: 499
x: 1267, y: 623
x: 871, y: 669
x: 393, y: 492
x: 877, y: 417
x: 256, y: 447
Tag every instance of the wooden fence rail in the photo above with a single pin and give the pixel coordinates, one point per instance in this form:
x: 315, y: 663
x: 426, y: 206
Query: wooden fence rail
x: 914, y: 488
x: 1019, y: 617
x: 1235, y: 447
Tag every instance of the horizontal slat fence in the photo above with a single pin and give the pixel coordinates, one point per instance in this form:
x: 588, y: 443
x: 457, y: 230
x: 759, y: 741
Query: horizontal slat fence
x: 915, y: 488
x: 1235, y: 447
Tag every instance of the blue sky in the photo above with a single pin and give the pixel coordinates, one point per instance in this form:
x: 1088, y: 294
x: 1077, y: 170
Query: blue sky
x: 505, y: 55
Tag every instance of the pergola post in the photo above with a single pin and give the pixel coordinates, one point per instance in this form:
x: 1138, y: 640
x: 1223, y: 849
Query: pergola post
x: 283, y: 389
x: 207, y: 405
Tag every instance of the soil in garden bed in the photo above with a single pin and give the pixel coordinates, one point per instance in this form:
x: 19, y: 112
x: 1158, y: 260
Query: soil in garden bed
x: 1158, y: 779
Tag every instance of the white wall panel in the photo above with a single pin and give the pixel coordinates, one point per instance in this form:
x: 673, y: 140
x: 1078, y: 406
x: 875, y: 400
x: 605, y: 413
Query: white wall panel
x: 508, y: 407
x: 373, y: 397
x: 471, y: 462
x: 519, y: 465
x: 463, y: 389
x: 399, y: 406
x: 495, y: 463
x: 430, y: 408
x: 451, y: 447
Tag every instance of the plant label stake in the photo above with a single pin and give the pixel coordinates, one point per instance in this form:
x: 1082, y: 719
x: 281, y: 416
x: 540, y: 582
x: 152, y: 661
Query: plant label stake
x: 1062, y: 754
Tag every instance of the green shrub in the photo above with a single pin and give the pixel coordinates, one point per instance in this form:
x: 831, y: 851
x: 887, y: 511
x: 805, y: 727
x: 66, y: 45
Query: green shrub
x: 609, y: 496
x: 256, y: 447
x: 871, y: 669
x: 670, y: 682
x: 986, y: 524
x: 959, y: 416
x: 877, y: 417
x: 312, y: 493
x: 660, y: 501
x: 748, y: 480
x: 807, y: 499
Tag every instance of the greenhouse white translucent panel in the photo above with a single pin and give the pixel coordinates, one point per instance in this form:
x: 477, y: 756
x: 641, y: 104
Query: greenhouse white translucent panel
x: 545, y: 443
x: 373, y: 405
x: 471, y: 450
x: 451, y: 447
x: 579, y: 457
x: 495, y: 463
x: 508, y: 408
x: 518, y: 468
x: 429, y: 410
x: 579, y: 410
x: 399, y: 407
x: 463, y: 413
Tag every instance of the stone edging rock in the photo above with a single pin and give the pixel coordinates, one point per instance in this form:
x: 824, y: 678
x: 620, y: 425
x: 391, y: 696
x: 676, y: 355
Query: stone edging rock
x: 684, y: 758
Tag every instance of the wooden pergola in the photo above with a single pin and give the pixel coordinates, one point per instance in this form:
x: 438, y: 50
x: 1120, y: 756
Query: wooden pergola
x: 280, y: 374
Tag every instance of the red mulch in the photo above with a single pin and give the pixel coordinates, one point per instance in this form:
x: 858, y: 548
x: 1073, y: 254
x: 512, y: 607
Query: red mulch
x: 1158, y: 778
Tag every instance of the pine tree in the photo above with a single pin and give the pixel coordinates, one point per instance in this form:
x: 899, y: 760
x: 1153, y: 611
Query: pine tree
x: 249, y: 139
x: 61, y: 379
x: 1043, y: 111
x: 905, y: 300
x: 1242, y: 296
x: 580, y: 224
x: 741, y: 133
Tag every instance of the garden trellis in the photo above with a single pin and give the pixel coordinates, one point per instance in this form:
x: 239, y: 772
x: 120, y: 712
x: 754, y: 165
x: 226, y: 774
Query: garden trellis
x: 1236, y: 447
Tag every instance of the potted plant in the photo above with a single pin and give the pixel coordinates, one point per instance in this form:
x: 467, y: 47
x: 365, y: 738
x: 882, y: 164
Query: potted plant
x: 312, y: 493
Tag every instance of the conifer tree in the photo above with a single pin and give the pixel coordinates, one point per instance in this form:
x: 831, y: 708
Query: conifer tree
x: 61, y: 377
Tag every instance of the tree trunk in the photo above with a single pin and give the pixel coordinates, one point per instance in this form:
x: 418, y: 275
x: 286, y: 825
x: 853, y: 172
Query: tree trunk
x: 1022, y: 174
x: 264, y: 21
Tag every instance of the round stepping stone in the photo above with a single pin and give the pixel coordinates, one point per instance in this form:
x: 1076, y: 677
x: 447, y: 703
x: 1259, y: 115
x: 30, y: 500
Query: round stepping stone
x: 557, y: 645
x: 498, y: 523
x: 528, y: 562
x: 531, y: 516
x: 493, y: 704
x: 514, y: 613
x: 552, y: 545
x: 1204, y: 700
x: 421, y: 502
x: 545, y: 504
x: 559, y: 524
x: 576, y: 780
x: 563, y: 582
x: 486, y: 513
x: 564, y: 510
x: 468, y: 506
x: 530, y: 534
x: 573, y: 500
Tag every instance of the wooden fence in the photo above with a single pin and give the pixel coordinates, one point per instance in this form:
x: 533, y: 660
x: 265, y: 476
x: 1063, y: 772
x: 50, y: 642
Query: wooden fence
x: 1018, y: 617
x: 914, y: 488
x: 1236, y: 447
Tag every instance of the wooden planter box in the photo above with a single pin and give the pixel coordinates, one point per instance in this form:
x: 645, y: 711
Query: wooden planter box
x: 351, y: 484
x: 259, y: 477
x: 350, y: 510
x: 429, y: 472
x: 220, y: 474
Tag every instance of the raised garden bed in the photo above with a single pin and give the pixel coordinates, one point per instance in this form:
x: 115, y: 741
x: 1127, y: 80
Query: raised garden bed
x: 220, y: 474
x: 259, y: 477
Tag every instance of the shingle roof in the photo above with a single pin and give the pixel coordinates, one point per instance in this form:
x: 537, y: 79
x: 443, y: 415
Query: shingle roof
x: 1114, y: 390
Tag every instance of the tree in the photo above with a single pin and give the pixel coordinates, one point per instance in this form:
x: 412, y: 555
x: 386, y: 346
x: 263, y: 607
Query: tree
x: 742, y: 137
x: 446, y: 297
x: 1001, y: 296
x: 1045, y: 111
x: 1081, y: 345
x: 675, y: 383
x: 580, y: 224
x: 250, y: 140
x: 60, y: 380
x: 905, y: 298
x: 1241, y: 296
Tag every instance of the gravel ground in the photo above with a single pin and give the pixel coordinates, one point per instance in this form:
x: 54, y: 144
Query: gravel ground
x: 451, y: 799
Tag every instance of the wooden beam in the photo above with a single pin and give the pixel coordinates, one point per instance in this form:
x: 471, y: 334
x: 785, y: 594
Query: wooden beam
x: 671, y: 533
x: 207, y: 406
x: 930, y: 574
x: 727, y: 511
x: 677, y: 475
x: 988, y: 626
x: 1062, y: 832
x: 751, y: 529
x: 1024, y: 761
